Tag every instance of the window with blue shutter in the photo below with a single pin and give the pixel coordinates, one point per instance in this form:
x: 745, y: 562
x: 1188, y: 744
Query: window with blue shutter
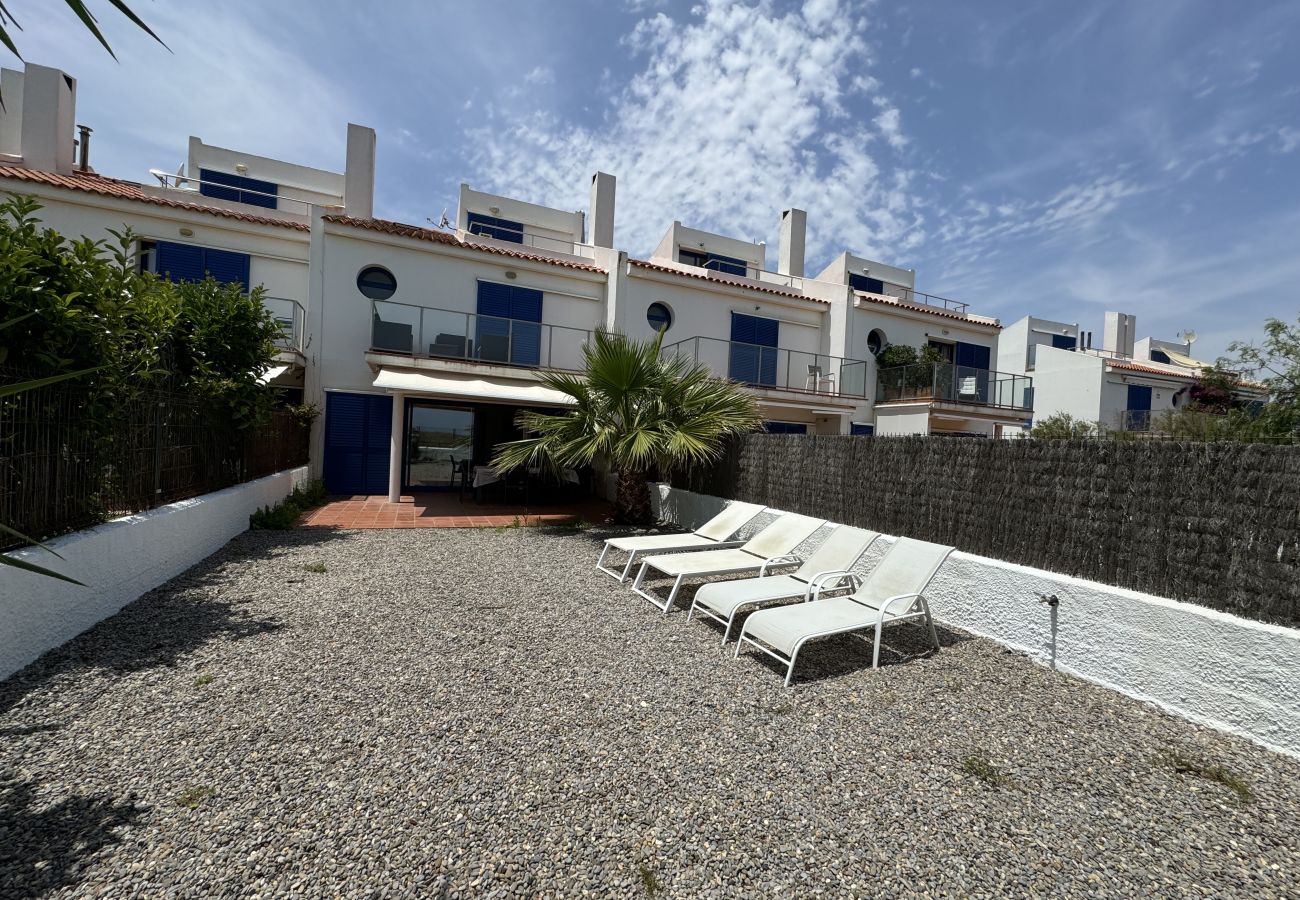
x: 972, y: 372
x: 869, y: 285
x: 713, y: 261
x: 753, y: 349
x: 865, y: 430
x: 239, y: 188
x: 187, y: 262
x: 358, y: 432
x: 494, y: 227
x: 508, y: 327
x: 1064, y: 341
x: 785, y: 428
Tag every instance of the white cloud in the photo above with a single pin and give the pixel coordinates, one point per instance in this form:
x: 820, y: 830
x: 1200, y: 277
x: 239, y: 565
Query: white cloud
x: 540, y: 75
x: 736, y: 113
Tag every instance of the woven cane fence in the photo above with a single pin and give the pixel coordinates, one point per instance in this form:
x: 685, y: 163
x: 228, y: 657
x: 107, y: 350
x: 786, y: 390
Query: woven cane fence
x: 1216, y: 524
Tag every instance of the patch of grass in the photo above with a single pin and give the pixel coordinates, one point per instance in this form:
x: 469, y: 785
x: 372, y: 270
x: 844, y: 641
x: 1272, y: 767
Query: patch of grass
x: 1184, y: 764
x: 317, y: 567
x: 193, y: 796
x: 284, y: 514
x: 203, y: 680
x: 648, y: 880
x: 979, y: 767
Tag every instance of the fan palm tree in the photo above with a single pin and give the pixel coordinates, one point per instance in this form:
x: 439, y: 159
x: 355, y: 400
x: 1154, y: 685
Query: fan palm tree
x: 642, y: 414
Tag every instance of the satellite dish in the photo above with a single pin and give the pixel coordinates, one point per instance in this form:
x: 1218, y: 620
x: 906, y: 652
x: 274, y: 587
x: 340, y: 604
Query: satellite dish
x: 1188, y: 336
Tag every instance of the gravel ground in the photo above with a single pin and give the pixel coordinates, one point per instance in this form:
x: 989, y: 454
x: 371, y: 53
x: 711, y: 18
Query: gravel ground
x: 417, y: 719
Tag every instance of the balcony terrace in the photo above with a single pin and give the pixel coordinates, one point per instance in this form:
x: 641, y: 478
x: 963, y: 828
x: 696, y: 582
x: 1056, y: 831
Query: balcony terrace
x: 777, y: 368
x: 949, y: 383
x: 430, y: 332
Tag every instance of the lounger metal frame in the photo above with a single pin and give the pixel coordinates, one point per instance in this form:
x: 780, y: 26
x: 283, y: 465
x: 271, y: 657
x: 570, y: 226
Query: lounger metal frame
x: 759, y: 563
x: 812, y: 592
x: 919, y: 609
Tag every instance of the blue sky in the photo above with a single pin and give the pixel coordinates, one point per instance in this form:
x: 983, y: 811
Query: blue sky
x: 1054, y: 158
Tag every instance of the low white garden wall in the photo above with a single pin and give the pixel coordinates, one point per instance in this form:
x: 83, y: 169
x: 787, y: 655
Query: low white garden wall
x: 118, y: 561
x: 1235, y: 674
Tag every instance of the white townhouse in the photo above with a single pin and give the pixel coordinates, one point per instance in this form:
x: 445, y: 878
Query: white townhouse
x: 1124, y: 385
x: 420, y: 344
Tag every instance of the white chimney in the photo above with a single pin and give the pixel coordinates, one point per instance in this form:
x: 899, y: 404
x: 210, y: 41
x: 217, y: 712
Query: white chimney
x: 11, y: 115
x: 1121, y: 330
x: 602, y: 209
x: 49, y: 111
x: 794, y: 227
x: 359, y: 172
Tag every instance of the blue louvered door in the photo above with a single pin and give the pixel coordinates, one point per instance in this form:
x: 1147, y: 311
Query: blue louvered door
x: 358, y: 432
x: 752, y: 357
x: 972, y: 373
x: 509, y: 324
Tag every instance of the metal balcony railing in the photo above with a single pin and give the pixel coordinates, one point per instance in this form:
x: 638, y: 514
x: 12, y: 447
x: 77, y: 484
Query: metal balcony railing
x: 920, y: 298
x: 524, y: 238
x: 754, y: 273
x: 1133, y: 420
x: 180, y: 182
x: 292, y: 318
x: 954, y: 384
x: 777, y: 367
x: 450, y: 334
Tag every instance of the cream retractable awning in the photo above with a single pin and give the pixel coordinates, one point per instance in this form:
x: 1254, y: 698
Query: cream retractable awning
x: 1180, y: 359
x: 470, y: 387
x: 272, y: 373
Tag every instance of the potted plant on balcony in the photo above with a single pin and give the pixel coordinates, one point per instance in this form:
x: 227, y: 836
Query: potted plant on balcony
x: 643, y: 414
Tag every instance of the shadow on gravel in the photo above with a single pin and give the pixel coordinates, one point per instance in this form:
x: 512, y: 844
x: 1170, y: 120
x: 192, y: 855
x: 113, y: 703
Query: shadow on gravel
x: 43, y: 848
x: 165, y: 624
x: 849, y: 653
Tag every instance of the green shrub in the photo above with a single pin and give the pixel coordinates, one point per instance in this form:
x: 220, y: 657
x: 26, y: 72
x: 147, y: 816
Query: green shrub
x: 284, y: 514
x: 1063, y: 427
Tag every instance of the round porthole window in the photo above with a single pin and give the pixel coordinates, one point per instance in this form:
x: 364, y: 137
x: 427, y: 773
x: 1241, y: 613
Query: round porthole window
x: 659, y: 316
x: 876, y: 341
x: 376, y: 282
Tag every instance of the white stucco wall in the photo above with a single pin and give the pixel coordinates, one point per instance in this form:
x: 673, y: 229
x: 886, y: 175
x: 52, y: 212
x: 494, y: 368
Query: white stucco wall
x: 1067, y: 382
x: 278, y: 255
x: 1220, y: 670
x: 294, y: 182
x: 118, y: 561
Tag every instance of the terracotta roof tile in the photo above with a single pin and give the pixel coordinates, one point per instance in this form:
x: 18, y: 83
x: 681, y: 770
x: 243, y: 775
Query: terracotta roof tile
x: 928, y: 310
x: 435, y: 236
x: 1138, y: 367
x: 646, y: 264
x: 129, y: 190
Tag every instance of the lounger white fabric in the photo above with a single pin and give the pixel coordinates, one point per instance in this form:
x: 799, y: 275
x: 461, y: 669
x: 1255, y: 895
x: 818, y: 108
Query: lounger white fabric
x: 827, y: 568
x: 893, y: 592
x: 770, y: 547
x: 712, y: 534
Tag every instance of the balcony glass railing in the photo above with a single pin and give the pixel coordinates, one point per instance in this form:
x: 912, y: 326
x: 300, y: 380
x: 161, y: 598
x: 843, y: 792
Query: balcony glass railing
x: 450, y: 334
x: 1133, y: 420
x: 292, y: 318
x: 777, y: 367
x: 954, y: 384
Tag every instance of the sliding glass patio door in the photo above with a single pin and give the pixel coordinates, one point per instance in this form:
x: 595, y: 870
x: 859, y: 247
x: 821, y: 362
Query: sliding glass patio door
x: 439, y: 444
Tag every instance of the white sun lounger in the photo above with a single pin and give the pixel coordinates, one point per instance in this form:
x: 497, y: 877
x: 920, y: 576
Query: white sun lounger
x: 893, y: 592
x: 711, y: 535
x: 827, y: 568
x: 771, y: 547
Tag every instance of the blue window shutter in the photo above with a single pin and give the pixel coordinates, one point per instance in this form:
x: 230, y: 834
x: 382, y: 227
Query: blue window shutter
x: 869, y: 285
x: 379, y: 431
x: 972, y: 355
x: 1139, y: 397
x: 494, y: 299
x: 525, y: 336
x: 493, y: 227
x: 753, y: 364
x: 1063, y: 341
x: 226, y: 267
x: 785, y: 428
x: 492, y: 325
x: 238, y: 188
x: 868, y: 430
x: 178, y: 262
